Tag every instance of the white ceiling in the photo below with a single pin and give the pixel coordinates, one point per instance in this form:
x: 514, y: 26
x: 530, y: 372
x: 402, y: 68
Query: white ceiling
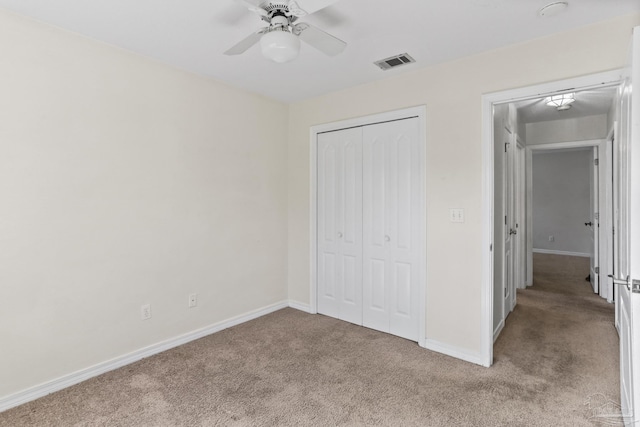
x: 193, y: 34
x: 588, y: 103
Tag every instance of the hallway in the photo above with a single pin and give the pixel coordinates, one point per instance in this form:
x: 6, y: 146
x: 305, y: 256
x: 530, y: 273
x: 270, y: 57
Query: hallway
x: 563, y: 335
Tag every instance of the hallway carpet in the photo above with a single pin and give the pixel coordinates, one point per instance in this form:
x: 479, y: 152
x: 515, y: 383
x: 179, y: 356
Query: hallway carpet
x: 556, y: 364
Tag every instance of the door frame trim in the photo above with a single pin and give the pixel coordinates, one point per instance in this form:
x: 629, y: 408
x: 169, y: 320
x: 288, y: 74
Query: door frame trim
x: 609, y: 78
x: 419, y: 112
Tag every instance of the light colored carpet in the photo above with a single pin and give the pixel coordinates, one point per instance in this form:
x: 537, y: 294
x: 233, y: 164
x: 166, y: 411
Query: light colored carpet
x: 558, y: 350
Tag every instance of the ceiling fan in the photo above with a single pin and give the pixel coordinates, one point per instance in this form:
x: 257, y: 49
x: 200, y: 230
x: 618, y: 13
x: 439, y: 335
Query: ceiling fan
x: 280, y: 41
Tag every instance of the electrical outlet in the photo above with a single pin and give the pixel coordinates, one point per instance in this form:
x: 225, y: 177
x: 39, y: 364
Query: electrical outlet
x: 552, y: 239
x: 193, y: 300
x: 145, y: 312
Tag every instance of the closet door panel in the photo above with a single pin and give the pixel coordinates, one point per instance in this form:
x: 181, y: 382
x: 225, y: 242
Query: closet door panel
x: 350, y: 235
x: 374, y: 225
x: 353, y: 194
x: 339, y: 224
x: 402, y: 298
x: 351, y: 267
x: 404, y: 249
x: 403, y: 193
x: 328, y: 207
x: 390, y: 228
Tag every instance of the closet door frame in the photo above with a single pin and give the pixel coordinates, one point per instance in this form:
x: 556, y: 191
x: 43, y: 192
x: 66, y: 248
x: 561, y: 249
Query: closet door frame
x: 420, y: 113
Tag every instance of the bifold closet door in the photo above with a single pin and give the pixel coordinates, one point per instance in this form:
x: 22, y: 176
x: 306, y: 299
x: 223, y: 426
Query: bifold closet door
x: 391, y: 215
x: 339, y: 229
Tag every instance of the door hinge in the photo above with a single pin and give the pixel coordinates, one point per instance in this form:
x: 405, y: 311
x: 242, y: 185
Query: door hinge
x: 505, y: 220
x: 597, y: 215
x: 597, y: 270
x: 506, y: 146
x: 597, y: 162
x: 505, y: 292
x: 635, y: 286
x: 491, y: 247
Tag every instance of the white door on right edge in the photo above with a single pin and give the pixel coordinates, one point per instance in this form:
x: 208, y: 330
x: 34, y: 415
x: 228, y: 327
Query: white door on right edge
x: 627, y: 240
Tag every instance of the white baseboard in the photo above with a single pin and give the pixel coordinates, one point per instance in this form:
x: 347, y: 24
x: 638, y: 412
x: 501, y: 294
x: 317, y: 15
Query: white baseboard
x: 453, y: 351
x: 422, y: 342
x: 300, y: 306
x: 499, y: 328
x: 566, y: 253
x: 65, y: 381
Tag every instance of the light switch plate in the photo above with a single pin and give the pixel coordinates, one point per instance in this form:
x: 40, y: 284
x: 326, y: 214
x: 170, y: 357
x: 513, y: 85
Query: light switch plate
x: 456, y: 215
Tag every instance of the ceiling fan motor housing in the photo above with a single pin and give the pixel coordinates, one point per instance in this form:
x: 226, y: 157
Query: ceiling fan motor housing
x: 287, y: 9
x: 272, y: 6
x: 279, y: 22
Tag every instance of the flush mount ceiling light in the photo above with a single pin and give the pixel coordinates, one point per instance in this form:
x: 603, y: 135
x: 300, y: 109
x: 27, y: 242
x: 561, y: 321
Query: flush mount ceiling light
x: 280, y: 45
x: 553, y: 9
x: 561, y: 102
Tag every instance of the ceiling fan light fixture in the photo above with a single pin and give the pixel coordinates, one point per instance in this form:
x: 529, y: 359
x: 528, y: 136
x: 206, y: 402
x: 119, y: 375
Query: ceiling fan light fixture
x: 280, y: 45
x: 561, y: 102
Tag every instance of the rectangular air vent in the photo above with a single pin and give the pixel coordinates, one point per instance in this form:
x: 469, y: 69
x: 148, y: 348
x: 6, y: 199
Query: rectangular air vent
x: 394, y: 61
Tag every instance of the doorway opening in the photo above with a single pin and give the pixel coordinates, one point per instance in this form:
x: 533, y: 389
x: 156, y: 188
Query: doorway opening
x: 507, y: 163
x: 560, y: 209
x: 569, y: 207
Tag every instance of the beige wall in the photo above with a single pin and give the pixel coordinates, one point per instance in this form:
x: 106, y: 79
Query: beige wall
x: 452, y: 93
x: 567, y: 130
x: 124, y: 182
x: 561, y: 200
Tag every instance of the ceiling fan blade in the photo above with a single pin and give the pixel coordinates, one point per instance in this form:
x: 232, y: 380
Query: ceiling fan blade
x: 317, y: 38
x: 254, y: 6
x: 250, y: 3
x: 296, y: 10
x: 245, y: 44
x: 311, y: 6
x: 329, y: 17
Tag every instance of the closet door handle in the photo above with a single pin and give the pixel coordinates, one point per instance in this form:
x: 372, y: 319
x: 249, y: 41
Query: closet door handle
x: 387, y: 238
x: 339, y: 235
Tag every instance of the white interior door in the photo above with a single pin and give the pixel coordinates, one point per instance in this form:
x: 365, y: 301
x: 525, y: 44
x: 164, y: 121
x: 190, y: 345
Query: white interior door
x: 594, y: 224
x: 340, y: 224
x: 606, y: 217
x: 627, y: 241
x: 510, y: 230
x: 520, y: 223
x: 391, y: 238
